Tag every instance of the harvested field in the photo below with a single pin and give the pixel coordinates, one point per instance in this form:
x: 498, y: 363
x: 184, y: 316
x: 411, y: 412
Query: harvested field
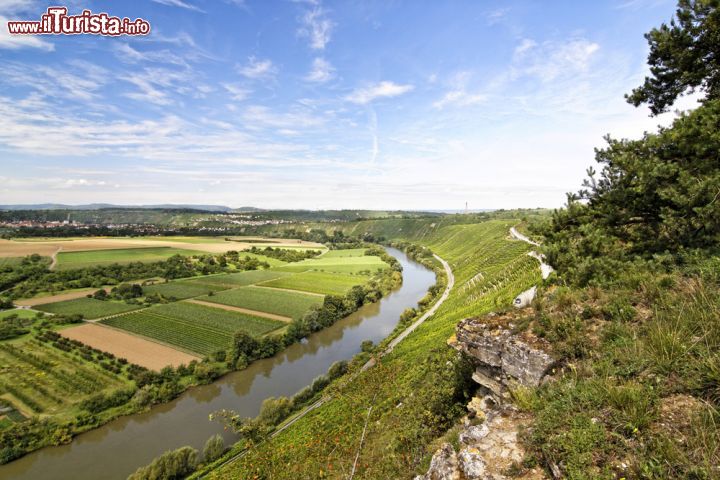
x: 135, y: 349
x: 22, y: 247
x: 90, y: 258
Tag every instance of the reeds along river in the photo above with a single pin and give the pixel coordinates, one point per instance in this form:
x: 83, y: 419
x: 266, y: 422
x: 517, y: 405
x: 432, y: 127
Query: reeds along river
x: 116, y: 449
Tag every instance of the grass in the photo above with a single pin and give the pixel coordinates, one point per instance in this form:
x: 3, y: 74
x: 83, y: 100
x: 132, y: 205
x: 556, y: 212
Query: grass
x: 39, y: 379
x: 238, y: 279
x: 89, y: 258
x: 338, y: 264
x: 182, y: 289
x: 417, y: 391
x: 318, y: 282
x: 196, y: 328
x: 20, y: 312
x: 290, y: 304
x: 89, y: 308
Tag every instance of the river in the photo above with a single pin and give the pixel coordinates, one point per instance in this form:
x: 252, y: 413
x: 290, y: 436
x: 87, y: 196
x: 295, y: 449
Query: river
x: 116, y: 449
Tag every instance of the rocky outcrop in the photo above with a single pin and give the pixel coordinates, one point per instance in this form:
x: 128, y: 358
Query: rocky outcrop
x: 502, y: 358
x: 488, y: 440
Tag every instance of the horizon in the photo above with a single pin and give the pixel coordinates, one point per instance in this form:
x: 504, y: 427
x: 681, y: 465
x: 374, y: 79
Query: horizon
x: 315, y: 105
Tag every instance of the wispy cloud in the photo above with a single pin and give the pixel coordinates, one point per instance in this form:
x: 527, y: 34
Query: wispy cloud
x: 383, y: 89
x: 180, y: 4
x: 321, y: 71
x: 317, y: 27
x: 550, y: 59
x: 237, y: 91
x: 458, y: 95
x: 14, y: 42
x: 256, y: 68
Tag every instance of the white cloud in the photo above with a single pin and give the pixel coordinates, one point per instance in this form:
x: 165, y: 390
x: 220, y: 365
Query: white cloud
x: 321, y: 71
x: 316, y: 27
x: 256, y: 68
x: 458, y: 95
x: 236, y: 91
x: 180, y: 4
x: 550, y: 59
x: 383, y: 89
x: 14, y: 42
x: 258, y: 116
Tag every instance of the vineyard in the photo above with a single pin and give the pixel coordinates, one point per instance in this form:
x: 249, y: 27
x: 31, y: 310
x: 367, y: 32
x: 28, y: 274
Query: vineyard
x: 237, y: 279
x: 89, y: 308
x: 406, y: 387
x: 192, y: 327
x: 182, y: 290
x: 280, y: 302
x: 41, y: 379
x: 318, y: 282
x: 338, y: 263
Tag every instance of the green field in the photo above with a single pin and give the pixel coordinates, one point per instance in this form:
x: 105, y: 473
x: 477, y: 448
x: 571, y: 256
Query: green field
x: 88, y: 307
x: 39, y: 379
x: 318, y: 282
x: 196, y: 328
x: 338, y: 263
x: 20, y: 312
x: 291, y: 304
x: 348, y: 252
x: 182, y: 289
x: 90, y: 258
x: 238, y: 279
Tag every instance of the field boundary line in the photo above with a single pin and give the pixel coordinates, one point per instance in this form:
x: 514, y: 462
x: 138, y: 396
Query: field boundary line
x: 249, y: 311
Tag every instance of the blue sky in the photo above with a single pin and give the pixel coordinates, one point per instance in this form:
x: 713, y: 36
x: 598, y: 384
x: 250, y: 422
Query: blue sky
x: 385, y: 104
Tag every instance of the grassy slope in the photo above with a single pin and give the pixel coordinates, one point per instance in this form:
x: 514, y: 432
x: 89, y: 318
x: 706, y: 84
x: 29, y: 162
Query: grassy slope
x: 408, y: 385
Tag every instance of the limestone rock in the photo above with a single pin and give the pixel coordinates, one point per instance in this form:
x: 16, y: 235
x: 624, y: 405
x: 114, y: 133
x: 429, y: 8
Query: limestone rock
x: 443, y: 466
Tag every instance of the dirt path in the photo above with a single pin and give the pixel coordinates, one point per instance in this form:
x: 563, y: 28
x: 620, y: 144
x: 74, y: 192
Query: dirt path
x: 230, y: 308
x: 525, y: 298
x: 54, y: 259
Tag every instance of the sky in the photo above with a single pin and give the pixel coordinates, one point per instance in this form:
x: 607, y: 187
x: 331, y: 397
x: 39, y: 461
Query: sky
x: 318, y: 104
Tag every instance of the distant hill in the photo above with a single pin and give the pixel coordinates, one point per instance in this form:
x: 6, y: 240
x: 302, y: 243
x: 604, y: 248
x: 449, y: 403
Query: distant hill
x: 101, y: 206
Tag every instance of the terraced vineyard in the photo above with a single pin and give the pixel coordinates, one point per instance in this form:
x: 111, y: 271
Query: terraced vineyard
x: 40, y: 379
x: 318, y: 282
x: 192, y: 327
x: 88, y: 307
x: 290, y: 304
x: 406, y: 387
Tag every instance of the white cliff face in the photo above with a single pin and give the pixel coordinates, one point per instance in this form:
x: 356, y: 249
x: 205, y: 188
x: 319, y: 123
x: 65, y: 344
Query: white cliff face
x: 488, y: 442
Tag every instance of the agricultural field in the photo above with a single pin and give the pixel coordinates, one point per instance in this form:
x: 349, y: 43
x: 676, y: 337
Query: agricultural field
x: 90, y: 258
x: 318, y: 282
x: 238, y: 279
x: 20, y: 312
x: 337, y: 263
x: 89, y: 308
x: 135, y: 349
x: 47, y: 247
x: 196, y: 328
x: 280, y: 302
x: 489, y: 271
x: 182, y: 289
x: 39, y: 379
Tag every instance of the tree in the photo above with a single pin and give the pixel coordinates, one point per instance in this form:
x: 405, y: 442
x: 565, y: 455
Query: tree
x: 213, y: 449
x: 684, y: 56
x: 171, y: 465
